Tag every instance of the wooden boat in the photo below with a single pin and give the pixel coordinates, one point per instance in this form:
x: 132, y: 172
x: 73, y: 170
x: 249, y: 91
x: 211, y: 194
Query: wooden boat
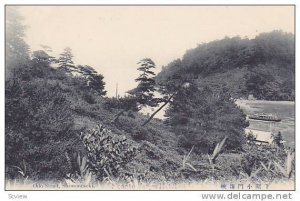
x: 265, y: 117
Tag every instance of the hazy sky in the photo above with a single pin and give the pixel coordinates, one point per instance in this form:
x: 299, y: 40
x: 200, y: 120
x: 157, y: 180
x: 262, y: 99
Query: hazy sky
x: 113, y: 39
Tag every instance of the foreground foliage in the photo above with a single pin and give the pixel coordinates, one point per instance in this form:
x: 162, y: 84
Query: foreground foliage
x: 107, y: 154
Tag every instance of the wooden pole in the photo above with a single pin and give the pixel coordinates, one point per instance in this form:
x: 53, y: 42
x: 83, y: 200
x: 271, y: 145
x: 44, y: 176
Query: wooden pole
x: 117, y: 91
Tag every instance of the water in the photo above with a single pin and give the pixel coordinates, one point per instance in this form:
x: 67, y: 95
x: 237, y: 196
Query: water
x: 283, y: 109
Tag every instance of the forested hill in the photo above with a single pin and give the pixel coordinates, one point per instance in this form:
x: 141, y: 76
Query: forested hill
x: 263, y: 66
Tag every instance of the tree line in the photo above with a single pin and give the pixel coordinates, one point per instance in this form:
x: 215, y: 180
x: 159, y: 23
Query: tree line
x: 263, y: 67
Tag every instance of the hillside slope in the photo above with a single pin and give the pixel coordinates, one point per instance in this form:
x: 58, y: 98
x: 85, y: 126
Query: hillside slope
x: 263, y: 66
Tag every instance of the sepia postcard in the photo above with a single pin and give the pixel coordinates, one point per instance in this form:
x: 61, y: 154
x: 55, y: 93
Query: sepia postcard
x: 150, y: 97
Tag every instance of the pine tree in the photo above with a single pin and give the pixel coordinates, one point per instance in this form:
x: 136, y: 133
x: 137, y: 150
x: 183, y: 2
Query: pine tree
x: 144, y: 92
x: 65, y: 61
x: 94, y: 80
x: 16, y: 49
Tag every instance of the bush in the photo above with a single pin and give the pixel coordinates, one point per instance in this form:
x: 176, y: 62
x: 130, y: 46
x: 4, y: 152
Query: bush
x: 38, y: 126
x: 107, y: 153
x: 140, y: 133
x: 126, y: 102
x: 89, y: 98
x: 254, y: 156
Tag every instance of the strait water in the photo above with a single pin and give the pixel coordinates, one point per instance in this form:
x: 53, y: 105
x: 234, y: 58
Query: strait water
x: 283, y: 109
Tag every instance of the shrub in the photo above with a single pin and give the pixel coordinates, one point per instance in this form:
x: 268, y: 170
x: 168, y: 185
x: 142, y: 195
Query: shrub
x: 107, y: 153
x: 40, y: 116
x: 141, y: 133
x: 261, y: 157
x: 89, y: 98
x: 38, y: 126
x: 126, y: 103
x: 250, y: 138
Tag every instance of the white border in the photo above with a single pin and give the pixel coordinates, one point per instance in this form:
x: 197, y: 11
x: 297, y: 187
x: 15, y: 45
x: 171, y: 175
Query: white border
x: 126, y: 195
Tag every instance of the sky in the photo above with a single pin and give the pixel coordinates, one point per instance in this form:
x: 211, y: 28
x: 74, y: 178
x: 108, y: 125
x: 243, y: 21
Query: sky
x: 112, y: 39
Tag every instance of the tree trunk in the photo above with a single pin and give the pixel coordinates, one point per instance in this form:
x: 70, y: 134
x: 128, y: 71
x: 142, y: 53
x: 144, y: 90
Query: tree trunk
x: 161, y: 107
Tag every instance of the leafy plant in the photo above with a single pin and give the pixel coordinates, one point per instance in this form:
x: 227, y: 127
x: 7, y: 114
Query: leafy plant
x: 108, y: 154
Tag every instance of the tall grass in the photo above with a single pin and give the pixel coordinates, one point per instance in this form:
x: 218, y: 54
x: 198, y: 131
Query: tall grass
x: 84, y: 176
x: 185, y: 163
x: 287, y: 168
x: 216, y: 152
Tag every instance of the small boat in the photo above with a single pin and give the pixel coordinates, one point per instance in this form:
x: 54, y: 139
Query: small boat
x: 265, y: 117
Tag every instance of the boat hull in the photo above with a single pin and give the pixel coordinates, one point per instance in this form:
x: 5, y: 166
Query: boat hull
x: 263, y: 119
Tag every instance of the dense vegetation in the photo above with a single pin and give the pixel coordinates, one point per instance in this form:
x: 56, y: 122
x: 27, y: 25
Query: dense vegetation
x: 60, y: 126
x: 47, y: 108
x: 202, y: 118
x: 263, y: 66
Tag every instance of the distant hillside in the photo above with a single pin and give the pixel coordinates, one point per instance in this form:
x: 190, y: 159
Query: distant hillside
x: 263, y: 66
